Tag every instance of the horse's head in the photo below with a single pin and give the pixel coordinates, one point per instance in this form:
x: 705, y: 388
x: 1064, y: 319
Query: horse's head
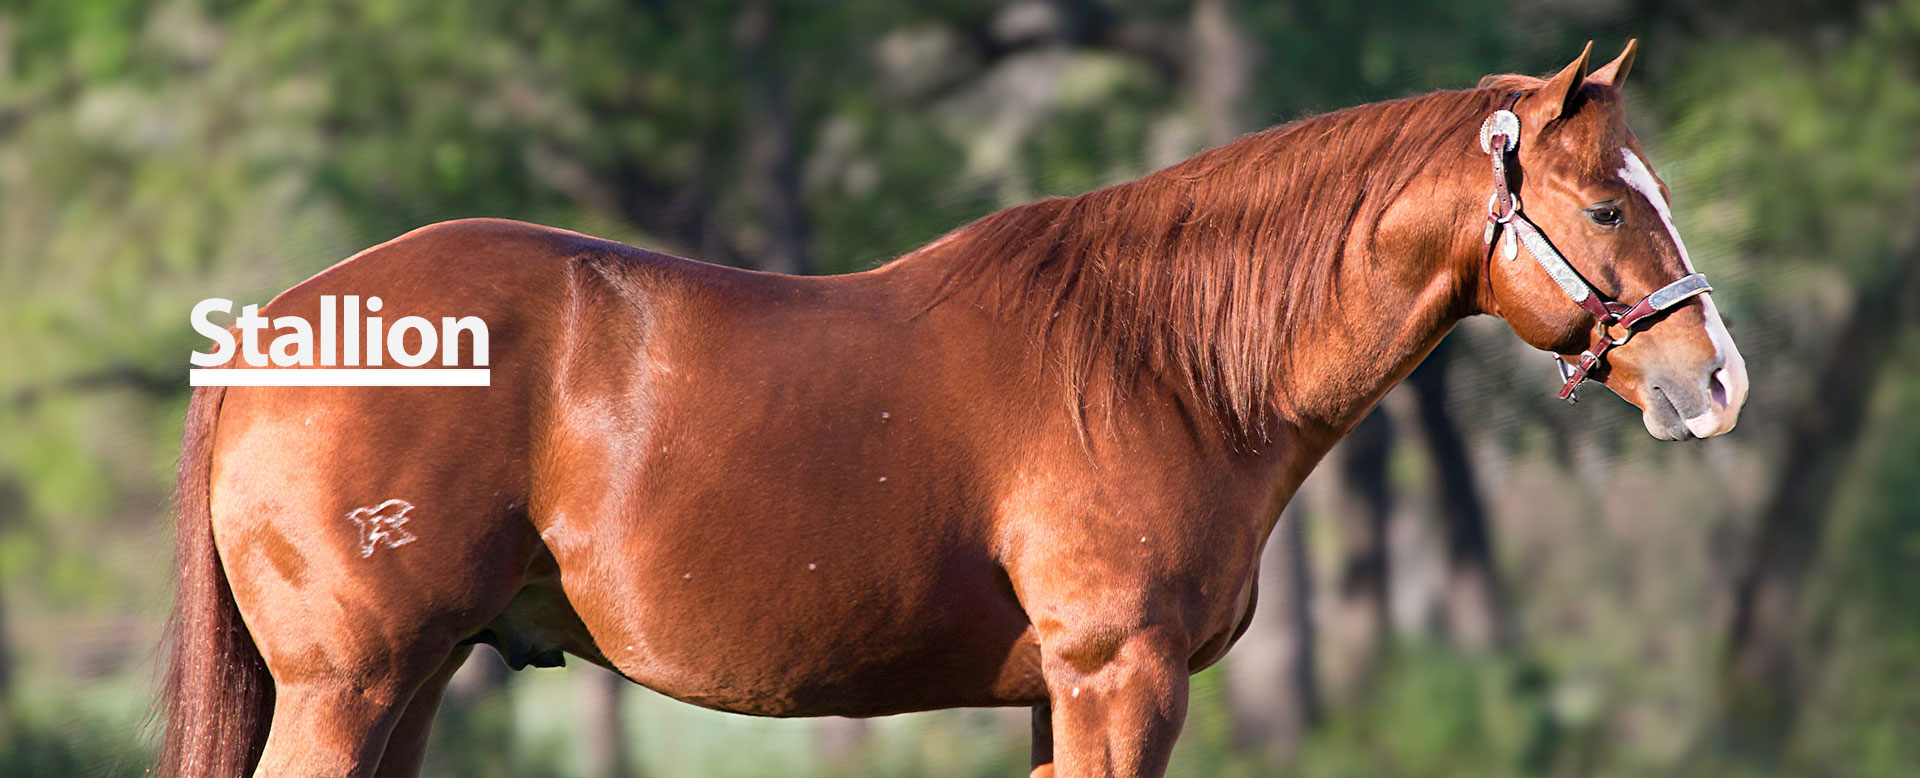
x: 1588, y: 191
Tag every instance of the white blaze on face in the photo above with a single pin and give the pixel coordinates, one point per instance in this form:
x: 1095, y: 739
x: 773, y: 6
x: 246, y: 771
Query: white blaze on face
x: 1728, y: 387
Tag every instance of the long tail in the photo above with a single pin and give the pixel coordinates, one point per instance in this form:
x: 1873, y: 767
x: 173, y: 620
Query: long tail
x: 218, y: 698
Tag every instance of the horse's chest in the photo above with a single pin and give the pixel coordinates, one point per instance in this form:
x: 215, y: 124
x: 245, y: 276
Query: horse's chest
x: 1216, y: 644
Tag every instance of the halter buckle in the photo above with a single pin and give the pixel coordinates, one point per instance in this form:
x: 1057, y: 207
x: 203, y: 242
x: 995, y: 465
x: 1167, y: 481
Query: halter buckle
x: 1493, y: 207
x: 1566, y: 377
x: 1619, y: 341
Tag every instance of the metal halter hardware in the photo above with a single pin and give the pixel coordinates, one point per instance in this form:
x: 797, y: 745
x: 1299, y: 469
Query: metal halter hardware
x: 1500, y: 138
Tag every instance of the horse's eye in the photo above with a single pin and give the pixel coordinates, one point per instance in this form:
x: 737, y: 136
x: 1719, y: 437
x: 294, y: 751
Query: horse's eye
x: 1604, y: 215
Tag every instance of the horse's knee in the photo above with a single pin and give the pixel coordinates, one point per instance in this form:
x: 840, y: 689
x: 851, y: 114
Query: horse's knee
x: 1118, y: 653
x: 1118, y: 702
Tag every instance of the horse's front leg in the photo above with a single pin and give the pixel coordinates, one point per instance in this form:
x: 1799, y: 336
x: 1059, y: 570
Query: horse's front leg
x: 1119, y: 698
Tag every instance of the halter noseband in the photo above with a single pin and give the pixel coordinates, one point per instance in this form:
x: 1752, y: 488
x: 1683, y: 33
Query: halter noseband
x: 1500, y: 138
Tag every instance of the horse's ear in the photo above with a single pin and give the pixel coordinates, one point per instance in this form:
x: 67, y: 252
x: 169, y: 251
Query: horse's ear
x: 1614, y: 73
x: 1557, y: 96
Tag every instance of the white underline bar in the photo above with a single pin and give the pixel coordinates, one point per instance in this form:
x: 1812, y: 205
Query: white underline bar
x: 340, y: 377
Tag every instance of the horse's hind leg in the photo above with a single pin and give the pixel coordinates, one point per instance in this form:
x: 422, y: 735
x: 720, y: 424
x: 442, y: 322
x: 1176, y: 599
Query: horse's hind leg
x: 335, y: 725
x: 407, y: 746
x: 349, y: 689
x: 359, y: 661
x: 353, y: 636
x: 340, y: 709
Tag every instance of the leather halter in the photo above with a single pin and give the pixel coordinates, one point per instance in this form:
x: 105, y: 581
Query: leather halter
x: 1500, y: 140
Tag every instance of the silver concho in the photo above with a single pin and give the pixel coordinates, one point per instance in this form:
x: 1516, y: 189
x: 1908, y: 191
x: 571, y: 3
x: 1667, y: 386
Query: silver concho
x: 1502, y: 122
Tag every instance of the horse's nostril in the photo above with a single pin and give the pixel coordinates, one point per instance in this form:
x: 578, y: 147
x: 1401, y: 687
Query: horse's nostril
x: 1717, y: 388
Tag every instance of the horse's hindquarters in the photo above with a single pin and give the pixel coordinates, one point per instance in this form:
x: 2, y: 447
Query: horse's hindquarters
x: 361, y: 548
x: 366, y: 531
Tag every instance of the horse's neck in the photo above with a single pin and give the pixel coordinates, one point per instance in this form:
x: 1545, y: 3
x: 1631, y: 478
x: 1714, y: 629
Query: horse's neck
x: 1398, y: 286
x: 1382, y: 323
x: 1396, y: 295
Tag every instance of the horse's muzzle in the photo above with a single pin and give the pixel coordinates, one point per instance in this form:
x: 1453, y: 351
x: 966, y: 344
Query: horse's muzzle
x: 1697, y: 408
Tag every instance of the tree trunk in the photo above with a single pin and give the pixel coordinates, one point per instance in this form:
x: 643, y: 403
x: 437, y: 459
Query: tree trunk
x: 1360, y: 504
x: 772, y: 176
x: 1221, y: 67
x: 478, y: 708
x: 1270, y: 674
x: 1476, y: 617
x: 484, y: 675
x: 1763, y: 638
x: 841, y: 742
x: 603, y: 726
x: 6, y: 673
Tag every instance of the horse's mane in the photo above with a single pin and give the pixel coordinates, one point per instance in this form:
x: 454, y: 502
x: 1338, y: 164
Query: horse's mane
x: 1202, y: 271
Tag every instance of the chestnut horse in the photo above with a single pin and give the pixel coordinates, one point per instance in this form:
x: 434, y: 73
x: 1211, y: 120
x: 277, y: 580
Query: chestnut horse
x: 1030, y: 464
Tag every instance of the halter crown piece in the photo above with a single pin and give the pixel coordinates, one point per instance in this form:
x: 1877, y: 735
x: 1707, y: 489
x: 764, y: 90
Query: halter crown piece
x: 1499, y: 140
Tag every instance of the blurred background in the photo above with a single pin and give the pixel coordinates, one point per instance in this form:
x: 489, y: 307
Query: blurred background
x: 1480, y: 582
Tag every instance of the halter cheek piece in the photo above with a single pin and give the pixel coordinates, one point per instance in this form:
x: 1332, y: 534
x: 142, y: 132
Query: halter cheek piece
x: 1499, y: 138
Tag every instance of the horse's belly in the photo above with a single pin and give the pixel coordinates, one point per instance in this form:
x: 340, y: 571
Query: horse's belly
x: 778, y: 630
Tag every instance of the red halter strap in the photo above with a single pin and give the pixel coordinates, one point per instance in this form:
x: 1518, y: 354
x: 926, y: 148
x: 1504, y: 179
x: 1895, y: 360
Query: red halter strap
x: 1500, y: 139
